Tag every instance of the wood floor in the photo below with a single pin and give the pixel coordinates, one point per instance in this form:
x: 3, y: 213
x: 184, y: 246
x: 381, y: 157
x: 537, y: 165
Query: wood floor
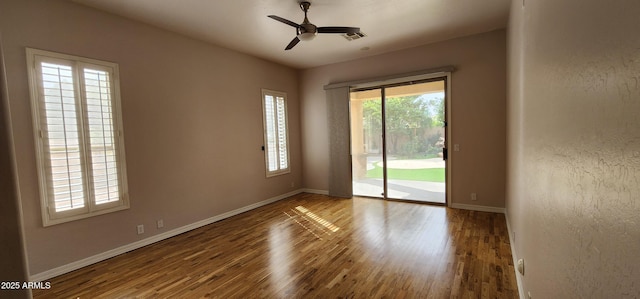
x: 314, y: 246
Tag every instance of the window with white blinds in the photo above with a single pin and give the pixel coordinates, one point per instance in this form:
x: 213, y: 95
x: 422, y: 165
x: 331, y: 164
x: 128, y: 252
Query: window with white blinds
x: 78, y: 131
x: 276, y: 138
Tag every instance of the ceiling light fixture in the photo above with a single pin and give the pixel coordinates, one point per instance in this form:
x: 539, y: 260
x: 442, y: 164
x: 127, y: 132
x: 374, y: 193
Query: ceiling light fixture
x: 306, y: 36
x: 306, y: 31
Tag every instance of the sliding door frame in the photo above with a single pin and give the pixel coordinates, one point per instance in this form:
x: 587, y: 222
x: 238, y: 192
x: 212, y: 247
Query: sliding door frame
x: 401, y: 82
x: 442, y: 72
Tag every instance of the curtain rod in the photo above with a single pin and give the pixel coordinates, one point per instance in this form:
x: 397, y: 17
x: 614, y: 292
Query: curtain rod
x: 423, y: 74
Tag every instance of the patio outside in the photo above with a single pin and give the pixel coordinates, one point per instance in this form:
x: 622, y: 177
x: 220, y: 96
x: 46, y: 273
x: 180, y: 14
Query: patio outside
x: 418, y: 179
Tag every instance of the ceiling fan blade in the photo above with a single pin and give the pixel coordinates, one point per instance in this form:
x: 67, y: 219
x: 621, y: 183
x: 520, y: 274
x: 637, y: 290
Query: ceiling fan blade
x: 352, y: 30
x: 283, y: 20
x: 293, y: 43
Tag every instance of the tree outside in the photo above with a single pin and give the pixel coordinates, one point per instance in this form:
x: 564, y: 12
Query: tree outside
x: 413, y: 125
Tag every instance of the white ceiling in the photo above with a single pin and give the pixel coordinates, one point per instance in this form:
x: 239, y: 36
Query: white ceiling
x: 243, y: 25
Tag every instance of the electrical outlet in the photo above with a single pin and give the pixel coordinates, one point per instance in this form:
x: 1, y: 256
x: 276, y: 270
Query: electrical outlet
x: 293, y: 184
x: 520, y: 266
x: 160, y: 223
x: 456, y: 147
x: 473, y: 196
x: 140, y: 229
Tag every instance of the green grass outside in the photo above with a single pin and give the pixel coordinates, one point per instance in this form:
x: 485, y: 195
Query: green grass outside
x: 424, y: 174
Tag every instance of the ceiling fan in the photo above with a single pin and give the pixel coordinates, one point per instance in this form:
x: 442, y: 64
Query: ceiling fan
x: 307, y: 31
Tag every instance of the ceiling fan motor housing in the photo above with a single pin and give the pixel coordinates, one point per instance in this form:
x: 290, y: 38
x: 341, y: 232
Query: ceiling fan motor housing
x: 307, y: 31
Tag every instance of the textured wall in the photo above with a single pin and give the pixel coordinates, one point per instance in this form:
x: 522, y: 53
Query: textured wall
x: 478, y: 90
x: 192, y: 116
x: 573, y: 194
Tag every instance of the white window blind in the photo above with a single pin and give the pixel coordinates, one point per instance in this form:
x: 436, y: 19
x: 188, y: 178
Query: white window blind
x: 78, y: 130
x: 275, y: 132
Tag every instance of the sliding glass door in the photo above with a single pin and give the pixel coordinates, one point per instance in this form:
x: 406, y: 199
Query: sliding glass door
x: 366, y: 143
x: 397, y: 140
x: 415, y: 137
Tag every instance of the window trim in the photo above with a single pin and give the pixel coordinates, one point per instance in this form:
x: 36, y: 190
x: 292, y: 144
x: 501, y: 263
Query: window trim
x: 90, y: 208
x: 275, y: 94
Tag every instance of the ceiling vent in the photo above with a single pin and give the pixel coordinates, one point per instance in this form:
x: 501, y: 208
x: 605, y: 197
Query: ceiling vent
x: 353, y: 36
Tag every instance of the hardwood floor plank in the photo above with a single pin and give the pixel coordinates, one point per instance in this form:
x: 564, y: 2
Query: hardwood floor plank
x: 314, y: 246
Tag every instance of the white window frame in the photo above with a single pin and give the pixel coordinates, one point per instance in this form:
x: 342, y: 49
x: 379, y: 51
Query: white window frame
x: 115, y: 137
x: 277, y: 147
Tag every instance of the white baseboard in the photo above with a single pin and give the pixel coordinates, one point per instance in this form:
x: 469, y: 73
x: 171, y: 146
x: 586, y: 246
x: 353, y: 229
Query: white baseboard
x: 316, y: 191
x: 42, y: 276
x: 515, y: 257
x: 477, y: 208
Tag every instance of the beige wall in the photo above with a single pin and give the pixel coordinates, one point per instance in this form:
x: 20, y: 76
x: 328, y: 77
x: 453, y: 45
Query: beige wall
x: 13, y: 260
x: 478, y: 106
x: 192, y: 118
x: 574, y: 147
